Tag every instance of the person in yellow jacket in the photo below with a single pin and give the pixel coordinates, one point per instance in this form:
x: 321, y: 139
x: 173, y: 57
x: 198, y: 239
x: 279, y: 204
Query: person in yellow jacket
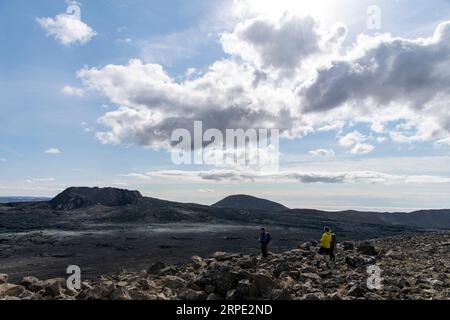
x: 325, y: 242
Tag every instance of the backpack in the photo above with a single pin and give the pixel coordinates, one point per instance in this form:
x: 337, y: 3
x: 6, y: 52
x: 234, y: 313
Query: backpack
x: 268, y: 238
x: 333, y: 241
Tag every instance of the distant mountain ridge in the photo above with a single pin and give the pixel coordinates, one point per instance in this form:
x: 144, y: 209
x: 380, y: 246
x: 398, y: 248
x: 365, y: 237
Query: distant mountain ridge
x: 245, y: 202
x: 121, y: 207
x: 81, y: 197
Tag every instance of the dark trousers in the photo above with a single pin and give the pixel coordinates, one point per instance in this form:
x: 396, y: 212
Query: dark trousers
x: 332, y: 256
x: 264, y: 249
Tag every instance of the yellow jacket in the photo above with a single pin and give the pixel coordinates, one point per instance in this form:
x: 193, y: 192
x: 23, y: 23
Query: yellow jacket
x: 326, y: 240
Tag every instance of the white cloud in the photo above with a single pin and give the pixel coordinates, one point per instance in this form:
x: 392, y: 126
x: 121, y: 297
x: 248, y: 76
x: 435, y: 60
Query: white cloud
x: 443, y: 142
x: 387, y: 79
x: 153, y: 104
x: 85, y: 127
x: 322, y: 153
x: 289, y: 176
x: 381, y: 80
x: 381, y: 140
x: 362, y: 148
x: 125, y: 40
x: 53, y: 151
x: 72, y: 91
x: 332, y: 126
x: 3, y: 160
x: 352, y: 138
x: 279, y: 45
x: 120, y: 184
x: 67, y: 29
x: 355, y: 140
x: 37, y: 180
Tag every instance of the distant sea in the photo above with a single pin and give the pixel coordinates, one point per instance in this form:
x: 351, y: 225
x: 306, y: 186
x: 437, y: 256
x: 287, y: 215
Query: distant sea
x: 22, y: 199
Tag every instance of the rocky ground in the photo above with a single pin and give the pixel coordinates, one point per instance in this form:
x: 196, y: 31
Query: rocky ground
x: 412, y: 267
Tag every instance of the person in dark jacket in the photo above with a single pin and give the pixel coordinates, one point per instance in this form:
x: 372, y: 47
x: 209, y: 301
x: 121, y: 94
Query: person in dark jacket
x: 264, y: 240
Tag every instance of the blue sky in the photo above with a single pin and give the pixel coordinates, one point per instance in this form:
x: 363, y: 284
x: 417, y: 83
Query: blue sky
x: 59, y: 124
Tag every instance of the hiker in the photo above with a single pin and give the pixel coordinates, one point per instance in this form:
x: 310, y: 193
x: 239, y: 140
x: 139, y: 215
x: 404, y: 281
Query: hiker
x: 264, y: 239
x: 325, y: 244
x: 333, y: 245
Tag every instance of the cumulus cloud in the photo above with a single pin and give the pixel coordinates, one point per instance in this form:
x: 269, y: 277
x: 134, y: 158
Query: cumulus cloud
x: 362, y: 148
x: 153, y: 104
x: 385, y: 69
x: 67, y: 29
x: 322, y: 153
x: 72, y: 91
x: 385, y: 73
x: 53, y: 151
x: 288, y: 176
x: 382, y: 80
x: 355, y: 140
x: 274, y: 44
x: 352, y: 138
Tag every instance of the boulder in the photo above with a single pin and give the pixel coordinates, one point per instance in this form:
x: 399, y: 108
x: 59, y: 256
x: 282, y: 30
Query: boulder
x: 372, y: 296
x: 225, y: 281
x: 3, y: 278
x: 367, y: 249
x: 11, y: 290
x: 310, y: 276
x: 213, y: 296
x: 282, y: 267
x: 120, y: 294
x: 146, y: 284
x: 348, y: 246
x: 248, y: 263
x: 282, y: 295
x: 314, y: 296
x: 53, y: 288
x: 192, y: 295
x: 264, y: 284
x: 334, y: 296
x: 197, y: 262
x: 174, y: 282
x: 356, y: 291
x: 246, y: 290
x: 99, y: 292
x: 156, y: 268
x: 33, y: 284
x: 223, y: 256
x: 359, y: 261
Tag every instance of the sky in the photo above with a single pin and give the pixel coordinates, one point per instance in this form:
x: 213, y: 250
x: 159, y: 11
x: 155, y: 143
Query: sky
x: 91, y: 92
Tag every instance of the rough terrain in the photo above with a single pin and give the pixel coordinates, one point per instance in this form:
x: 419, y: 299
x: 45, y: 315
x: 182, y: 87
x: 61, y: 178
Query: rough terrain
x: 415, y: 266
x: 103, y: 230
